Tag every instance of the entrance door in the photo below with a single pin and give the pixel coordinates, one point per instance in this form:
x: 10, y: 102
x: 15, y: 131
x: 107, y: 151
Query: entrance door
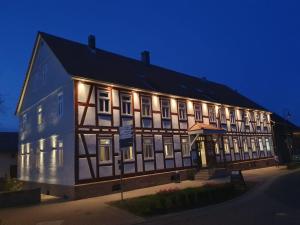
x: 201, y: 151
x: 210, y: 151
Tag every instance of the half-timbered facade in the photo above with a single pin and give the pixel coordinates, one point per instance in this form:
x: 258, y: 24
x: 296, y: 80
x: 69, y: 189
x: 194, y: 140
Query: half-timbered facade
x: 76, y: 97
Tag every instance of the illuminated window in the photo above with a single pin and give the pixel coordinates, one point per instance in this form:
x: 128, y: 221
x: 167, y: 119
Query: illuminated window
x: 60, y: 108
x: 261, y: 146
x: 146, y: 106
x: 148, y: 148
x: 185, y: 147
x: 103, y: 102
x: 168, y: 147
x: 212, y: 114
x: 232, y: 116
x: 253, y: 145
x: 126, y: 104
x: 245, y: 146
x: 226, y: 146
x: 268, y: 144
x: 235, y: 145
x: 165, y: 109
x: 217, y: 149
x: 182, y: 110
x: 222, y: 115
x: 39, y: 115
x: 198, y: 112
x: 105, y: 150
x: 128, y: 153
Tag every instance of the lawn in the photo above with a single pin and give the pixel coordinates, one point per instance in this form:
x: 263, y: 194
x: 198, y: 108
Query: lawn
x: 174, y: 200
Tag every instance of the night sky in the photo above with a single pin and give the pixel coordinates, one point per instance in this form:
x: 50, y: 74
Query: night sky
x: 251, y: 46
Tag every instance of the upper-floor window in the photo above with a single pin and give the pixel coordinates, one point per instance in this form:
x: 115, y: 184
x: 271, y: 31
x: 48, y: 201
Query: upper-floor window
x: 60, y: 109
x: 252, y: 118
x: 182, y: 110
x: 235, y: 145
x: 126, y: 104
x: 39, y: 115
x: 226, y: 146
x: 128, y: 154
x: 24, y: 121
x: 165, y: 109
x: 253, y: 145
x: 185, y: 147
x: 258, y: 119
x: 265, y: 120
x: 245, y: 146
x: 261, y: 146
x: 232, y: 116
x: 246, y: 117
x: 222, y: 115
x: 168, y: 147
x: 103, y: 102
x: 198, y: 112
x: 212, y: 114
x: 148, y: 149
x: 146, y: 106
x: 105, y: 150
x: 268, y: 144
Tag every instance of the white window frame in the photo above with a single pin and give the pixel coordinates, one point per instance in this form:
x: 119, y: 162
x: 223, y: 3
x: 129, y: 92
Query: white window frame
x: 258, y: 119
x: 185, y: 146
x: 268, y: 146
x: 146, y: 106
x: 246, y: 118
x: 236, y: 145
x: 198, y: 112
x: 128, y: 104
x: 60, y: 101
x: 223, y: 115
x: 128, y: 154
x: 165, y: 109
x: 245, y: 146
x: 232, y: 116
x: 105, y: 100
x: 212, y: 114
x: 261, y: 145
x: 253, y: 145
x: 148, y: 148
x: 182, y: 113
x: 102, y: 147
x: 168, y: 147
x: 226, y: 146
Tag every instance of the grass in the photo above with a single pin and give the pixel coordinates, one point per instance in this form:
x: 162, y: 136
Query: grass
x: 174, y: 200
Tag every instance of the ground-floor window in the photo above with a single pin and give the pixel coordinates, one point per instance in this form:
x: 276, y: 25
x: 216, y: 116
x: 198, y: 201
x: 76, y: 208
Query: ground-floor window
x: 235, y: 145
x: 128, y: 153
x: 185, y: 147
x: 217, y: 149
x: 268, y: 144
x: 245, y: 146
x: 148, y: 148
x: 261, y: 146
x: 253, y: 146
x: 105, y: 150
x: 226, y: 146
x: 168, y: 147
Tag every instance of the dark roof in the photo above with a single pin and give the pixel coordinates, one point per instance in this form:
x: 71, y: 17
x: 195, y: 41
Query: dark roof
x: 79, y: 60
x: 9, y: 142
x: 284, y: 122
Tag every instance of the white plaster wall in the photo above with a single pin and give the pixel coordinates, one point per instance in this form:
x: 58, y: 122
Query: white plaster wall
x: 156, y: 120
x: 115, y: 97
x: 45, y: 92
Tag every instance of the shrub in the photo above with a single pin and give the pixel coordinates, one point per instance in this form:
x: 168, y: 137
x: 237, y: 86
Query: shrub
x: 292, y: 165
x: 12, y: 184
x: 191, y: 174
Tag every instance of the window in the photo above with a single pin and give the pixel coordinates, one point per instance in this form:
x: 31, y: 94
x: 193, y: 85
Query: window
x: 265, y: 120
x: 235, y: 145
x: 246, y: 118
x: 126, y: 104
x: 182, y: 110
x: 128, y: 153
x: 103, y: 102
x: 60, y: 105
x: 24, y: 121
x: 105, y: 150
x: 252, y: 118
x: 253, y: 145
x: 232, y: 116
x: 185, y: 147
x: 146, y: 107
x: 39, y: 115
x: 226, y: 146
x: 258, y: 119
x: 222, y: 115
x: 245, y: 146
x: 212, y: 114
x: 261, y: 146
x: 148, y: 148
x: 217, y: 150
x: 268, y: 144
x: 198, y: 112
x: 168, y: 147
x: 165, y: 109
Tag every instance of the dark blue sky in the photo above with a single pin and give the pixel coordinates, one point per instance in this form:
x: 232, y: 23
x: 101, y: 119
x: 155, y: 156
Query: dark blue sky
x: 252, y: 46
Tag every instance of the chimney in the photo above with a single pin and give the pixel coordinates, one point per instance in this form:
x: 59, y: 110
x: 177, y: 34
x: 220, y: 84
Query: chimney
x: 92, y: 41
x: 145, y: 57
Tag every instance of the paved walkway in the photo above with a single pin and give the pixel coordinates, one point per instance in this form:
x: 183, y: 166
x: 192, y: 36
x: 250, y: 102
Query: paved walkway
x: 96, y: 211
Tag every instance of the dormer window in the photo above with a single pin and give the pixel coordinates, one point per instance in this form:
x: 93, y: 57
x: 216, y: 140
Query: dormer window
x: 103, y: 102
x: 182, y: 110
x: 198, y: 112
x: 126, y: 104
x: 212, y: 114
x: 165, y: 109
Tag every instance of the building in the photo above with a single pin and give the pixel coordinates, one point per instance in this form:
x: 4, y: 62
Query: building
x: 75, y: 97
x: 8, y: 154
